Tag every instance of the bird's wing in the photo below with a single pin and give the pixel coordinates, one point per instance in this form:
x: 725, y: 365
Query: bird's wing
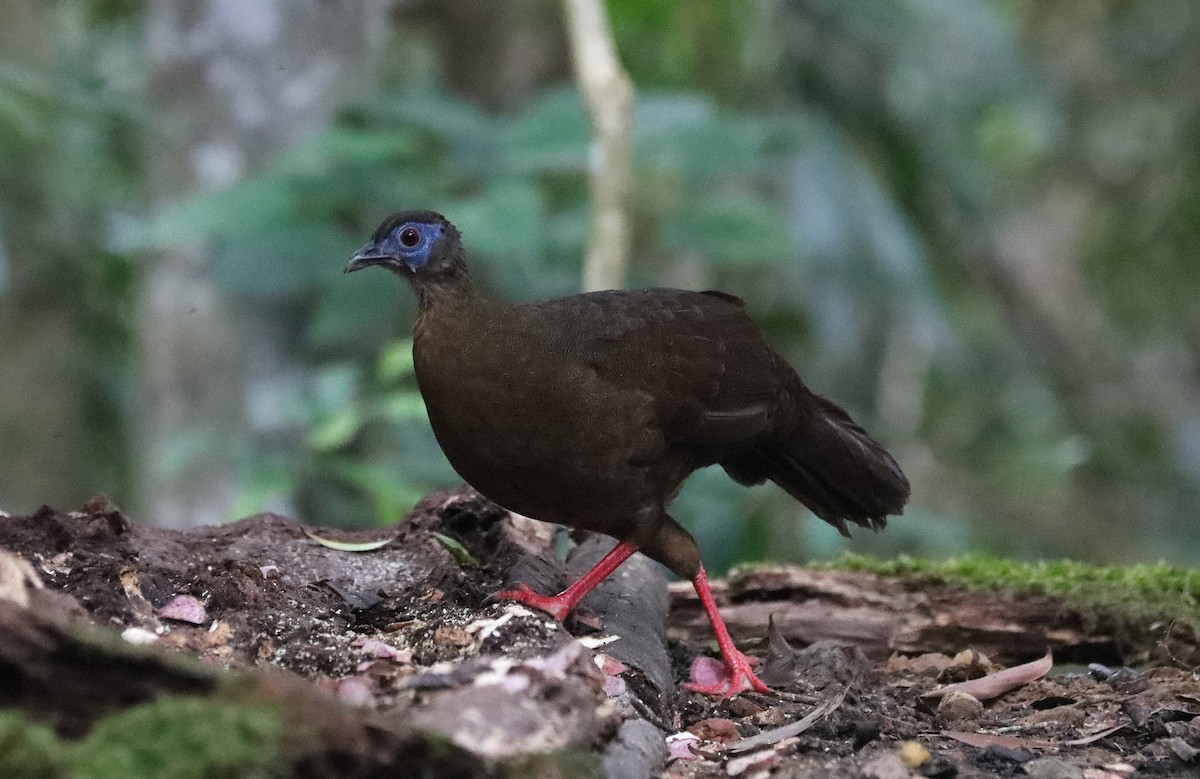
x: 695, y: 356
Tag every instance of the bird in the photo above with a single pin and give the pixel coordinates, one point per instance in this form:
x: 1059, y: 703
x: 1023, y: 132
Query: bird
x: 590, y: 411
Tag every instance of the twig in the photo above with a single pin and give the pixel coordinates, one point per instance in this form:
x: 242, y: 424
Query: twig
x: 768, y: 737
x: 609, y: 95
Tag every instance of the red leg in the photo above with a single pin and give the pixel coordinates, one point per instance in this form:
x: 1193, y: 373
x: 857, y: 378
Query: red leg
x: 558, y: 606
x: 738, y: 676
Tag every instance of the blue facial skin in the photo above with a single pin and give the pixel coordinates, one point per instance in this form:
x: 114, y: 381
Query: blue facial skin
x: 414, y: 257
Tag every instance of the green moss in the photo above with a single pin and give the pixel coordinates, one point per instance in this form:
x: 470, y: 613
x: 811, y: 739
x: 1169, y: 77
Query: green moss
x: 563, y: 764
x: 183, y: 738
x: 28, y: 749
x: 171, y: 738
x: 1125, y: 600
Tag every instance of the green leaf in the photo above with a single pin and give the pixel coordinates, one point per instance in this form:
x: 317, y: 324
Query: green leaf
x: 742, y: 230
x: 460, y: 553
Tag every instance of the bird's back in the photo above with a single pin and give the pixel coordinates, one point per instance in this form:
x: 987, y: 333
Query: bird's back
x: 622, y: 393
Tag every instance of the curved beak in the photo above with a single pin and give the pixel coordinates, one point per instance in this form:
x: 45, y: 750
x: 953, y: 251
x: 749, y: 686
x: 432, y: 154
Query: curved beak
x: 365, y: 257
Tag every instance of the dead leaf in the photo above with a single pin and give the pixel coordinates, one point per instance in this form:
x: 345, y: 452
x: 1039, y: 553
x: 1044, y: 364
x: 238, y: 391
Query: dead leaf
x: 376, y: 648
x: 1078, y: 742
x: 993, y: 685
x: 983, y: 740
x: 1182, y: 749
x: 16, y: 579
x: 184, y: 608
x: 609, y: 665
x: 717, y: 729
x: 779, y: 667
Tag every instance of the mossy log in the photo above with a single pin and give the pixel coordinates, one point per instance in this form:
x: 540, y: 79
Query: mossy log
x: 1010, y: 611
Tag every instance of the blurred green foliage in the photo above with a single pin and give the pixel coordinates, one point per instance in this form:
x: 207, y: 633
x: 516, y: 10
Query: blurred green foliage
x: 968, y: 221
x: 516, y: 187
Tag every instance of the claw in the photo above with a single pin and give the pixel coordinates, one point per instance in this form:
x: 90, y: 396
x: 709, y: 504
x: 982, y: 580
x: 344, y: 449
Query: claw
x: 735, y: 676
x: 556, y: 606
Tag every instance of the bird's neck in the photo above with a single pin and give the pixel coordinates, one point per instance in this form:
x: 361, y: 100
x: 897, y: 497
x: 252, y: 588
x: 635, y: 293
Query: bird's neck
x: 446, y: 292
x: 446, y: 304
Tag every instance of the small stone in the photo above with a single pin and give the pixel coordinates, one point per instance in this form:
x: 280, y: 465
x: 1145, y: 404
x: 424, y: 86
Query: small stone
x: 679, y: 746
x: 1182, y: 749
x: 139, y: 636
x: 1000, y: 752
x: 354, y: 692
x: 762, y: 759
x: 1052, y: 768
x: 453, y: 636
x: 614, y: 686
x: 913, y: 754
x: 927, y: 665
x: 885, y: 766
x: 958, y: 706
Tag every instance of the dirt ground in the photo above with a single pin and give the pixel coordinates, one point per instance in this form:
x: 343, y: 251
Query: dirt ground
x: 402, y: 639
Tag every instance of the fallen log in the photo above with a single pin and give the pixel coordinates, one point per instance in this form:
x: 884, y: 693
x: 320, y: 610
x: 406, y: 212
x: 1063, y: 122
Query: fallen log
x: 884, y: 615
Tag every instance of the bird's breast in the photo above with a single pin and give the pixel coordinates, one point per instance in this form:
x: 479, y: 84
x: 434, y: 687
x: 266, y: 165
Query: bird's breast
x: 527, y: 426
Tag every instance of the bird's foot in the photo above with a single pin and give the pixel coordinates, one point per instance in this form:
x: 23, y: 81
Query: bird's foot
x: 726, y: 677
x: 555, y: 605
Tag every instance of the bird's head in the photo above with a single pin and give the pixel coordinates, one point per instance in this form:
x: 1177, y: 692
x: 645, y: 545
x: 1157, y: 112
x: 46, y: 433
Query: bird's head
x: 414, y: 244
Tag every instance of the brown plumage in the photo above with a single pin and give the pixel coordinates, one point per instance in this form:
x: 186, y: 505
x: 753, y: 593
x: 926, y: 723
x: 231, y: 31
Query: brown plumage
x: 591, y: 410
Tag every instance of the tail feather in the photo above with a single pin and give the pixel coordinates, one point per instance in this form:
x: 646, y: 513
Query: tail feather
x: 832, y: 466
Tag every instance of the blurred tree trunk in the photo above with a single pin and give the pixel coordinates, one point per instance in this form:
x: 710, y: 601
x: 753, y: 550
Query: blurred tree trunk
x: 232, y: 83
x: 495, y: 52
x: 48, y: 453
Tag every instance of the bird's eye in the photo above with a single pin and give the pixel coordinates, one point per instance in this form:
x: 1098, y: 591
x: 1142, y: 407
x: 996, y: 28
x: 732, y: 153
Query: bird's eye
x: 410, y: 237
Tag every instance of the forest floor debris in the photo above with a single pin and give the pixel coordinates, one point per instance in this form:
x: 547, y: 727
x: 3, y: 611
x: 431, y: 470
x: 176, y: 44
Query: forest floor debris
x: 401, y: 639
